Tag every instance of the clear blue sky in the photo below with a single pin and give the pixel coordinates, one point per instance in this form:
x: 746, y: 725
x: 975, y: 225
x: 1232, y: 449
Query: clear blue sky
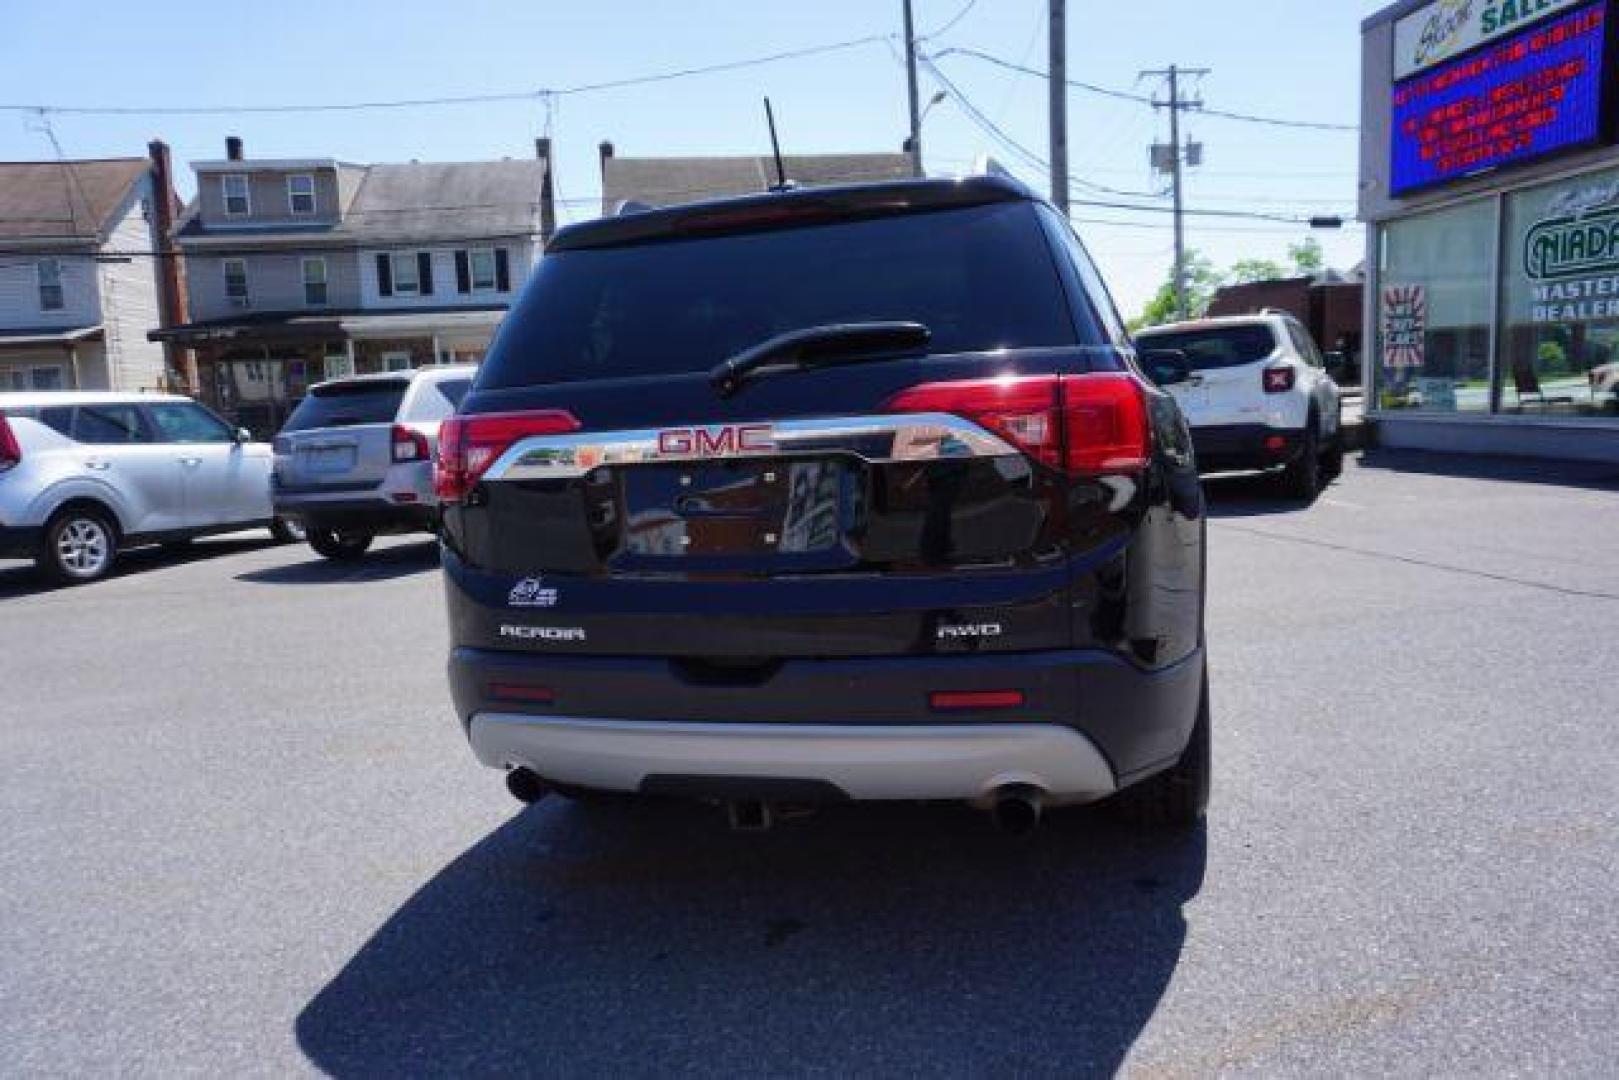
x: 1295, y: 58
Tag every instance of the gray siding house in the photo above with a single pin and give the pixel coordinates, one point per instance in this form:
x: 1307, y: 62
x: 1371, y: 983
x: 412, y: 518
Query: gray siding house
x: 80, y: 285
x: 307, y: 269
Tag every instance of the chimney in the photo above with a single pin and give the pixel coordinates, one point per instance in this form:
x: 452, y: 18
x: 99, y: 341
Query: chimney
x: 548, y: 200
x: 171, y: 284
x: 606, y: 151
x: 233, y: 148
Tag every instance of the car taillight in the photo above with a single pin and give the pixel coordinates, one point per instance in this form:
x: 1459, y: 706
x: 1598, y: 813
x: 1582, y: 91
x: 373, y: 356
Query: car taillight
x: 409, y: 445
x: 1085, y: 425
x: 10, y: 449
x: 1278, y: 380
x: 468, y: 445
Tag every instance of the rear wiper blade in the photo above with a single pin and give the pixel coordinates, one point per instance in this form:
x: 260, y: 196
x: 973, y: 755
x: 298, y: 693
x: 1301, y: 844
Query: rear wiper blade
x: 820, y: 346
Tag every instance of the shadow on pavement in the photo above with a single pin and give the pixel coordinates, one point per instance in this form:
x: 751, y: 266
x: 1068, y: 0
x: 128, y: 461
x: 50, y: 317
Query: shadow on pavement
x: 880, y: 939
x: 21, y: 578
x: 1236, y: 495
x: 1584, y: 474
x: 382, y: 564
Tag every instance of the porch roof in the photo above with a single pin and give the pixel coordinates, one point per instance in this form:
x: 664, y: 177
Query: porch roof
x: 283, y: 327
x: 34, y: 337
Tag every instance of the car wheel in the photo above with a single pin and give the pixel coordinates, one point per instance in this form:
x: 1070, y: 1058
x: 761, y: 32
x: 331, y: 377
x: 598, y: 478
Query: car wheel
x: 286, y: 530
x: 1178, y: 797
x: 337, y: 545
x: 1301, y: 479
x: 79, y: 546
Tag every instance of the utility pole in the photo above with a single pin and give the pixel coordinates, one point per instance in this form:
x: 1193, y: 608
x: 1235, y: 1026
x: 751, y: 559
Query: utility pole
x: 1059, y: 104
x: 915, y: 143
x: 1176, y: 159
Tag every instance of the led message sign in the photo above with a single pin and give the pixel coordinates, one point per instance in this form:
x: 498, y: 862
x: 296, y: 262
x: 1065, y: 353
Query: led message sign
x: 1522, y: 98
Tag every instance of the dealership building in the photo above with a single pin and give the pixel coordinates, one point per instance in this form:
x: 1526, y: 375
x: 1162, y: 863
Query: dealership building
x: 1489, y: 184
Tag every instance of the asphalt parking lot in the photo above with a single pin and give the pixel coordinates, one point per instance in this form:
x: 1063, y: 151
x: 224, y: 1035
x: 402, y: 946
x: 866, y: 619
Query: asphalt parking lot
x: 242, y: 835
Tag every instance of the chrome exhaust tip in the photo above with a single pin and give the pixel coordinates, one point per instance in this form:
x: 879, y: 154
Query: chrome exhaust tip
x: 1017, y: 809
x: 526, y: 786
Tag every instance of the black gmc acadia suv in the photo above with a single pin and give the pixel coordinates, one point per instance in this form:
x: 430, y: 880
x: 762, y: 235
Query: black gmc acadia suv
x: 839, y: 493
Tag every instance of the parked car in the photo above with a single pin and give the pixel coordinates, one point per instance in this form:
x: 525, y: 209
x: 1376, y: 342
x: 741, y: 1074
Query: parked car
x: 842, y: 493
x: 84, y: 476
x: 1258, y: 396
x: 355, y: 458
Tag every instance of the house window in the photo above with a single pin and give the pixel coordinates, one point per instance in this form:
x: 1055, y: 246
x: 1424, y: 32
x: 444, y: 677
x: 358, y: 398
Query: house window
x: 236, y: 282
x: 301, y: 194
x: 407, y: 282
x: 50, y: 284
x: 49, y: 377
x: 314, y: 273
x: 396, y: 361
x: 237, y: 203
x: 483, y: 270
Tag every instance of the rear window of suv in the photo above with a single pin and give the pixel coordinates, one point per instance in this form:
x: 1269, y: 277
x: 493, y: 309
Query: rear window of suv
x: 345, y: 404
x: 979, y: 278
x: 1216, y: 346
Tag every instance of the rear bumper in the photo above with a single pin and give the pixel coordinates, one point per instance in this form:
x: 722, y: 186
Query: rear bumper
x: 20, y: 541
x: 859, y: 728
x: 1223, y: 447
x: 370, y: 514
x: 826, y: 760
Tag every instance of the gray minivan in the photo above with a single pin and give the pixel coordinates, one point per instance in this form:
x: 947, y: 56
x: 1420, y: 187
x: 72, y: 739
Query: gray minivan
x: 355, y: 458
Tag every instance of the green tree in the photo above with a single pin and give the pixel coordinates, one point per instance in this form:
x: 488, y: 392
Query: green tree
x: 1307, y: 256
x: 1201, y: 281
x: 1245, y: 271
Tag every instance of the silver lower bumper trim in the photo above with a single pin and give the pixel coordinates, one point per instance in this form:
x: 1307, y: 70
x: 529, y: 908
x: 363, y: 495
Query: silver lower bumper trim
x: 911, y: 762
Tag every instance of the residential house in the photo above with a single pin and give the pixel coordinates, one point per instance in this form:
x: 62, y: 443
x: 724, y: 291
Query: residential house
x: 666, y: 181
x: 307, y: 269
x: 82, y: 276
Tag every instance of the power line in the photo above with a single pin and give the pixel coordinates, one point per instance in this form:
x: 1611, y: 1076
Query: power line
x: 1033, y: 160
x: 1142, y: 99
x: 538, y: 93
x: 966, y: 9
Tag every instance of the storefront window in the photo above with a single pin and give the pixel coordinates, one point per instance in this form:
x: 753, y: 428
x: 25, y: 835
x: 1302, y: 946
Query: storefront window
x: 1433, y: 349
x: 1560, y: 299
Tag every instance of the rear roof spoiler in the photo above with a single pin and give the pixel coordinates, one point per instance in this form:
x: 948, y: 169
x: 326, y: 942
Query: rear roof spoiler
x: 785, y: 209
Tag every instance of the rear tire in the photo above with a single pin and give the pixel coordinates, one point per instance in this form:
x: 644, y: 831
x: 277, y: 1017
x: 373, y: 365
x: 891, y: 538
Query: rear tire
x: 1178, y: 797
x: 337, y: 545
x: 286, y: 531
x: 79, y: 546
x: 1301, y: 479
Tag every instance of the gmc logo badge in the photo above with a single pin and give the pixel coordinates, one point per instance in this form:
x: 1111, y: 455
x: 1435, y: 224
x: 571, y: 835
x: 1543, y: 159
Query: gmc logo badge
x: 716, y: 441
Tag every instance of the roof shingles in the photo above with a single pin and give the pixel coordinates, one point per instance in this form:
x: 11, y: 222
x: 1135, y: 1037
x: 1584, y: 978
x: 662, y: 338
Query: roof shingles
x: 42, y: 200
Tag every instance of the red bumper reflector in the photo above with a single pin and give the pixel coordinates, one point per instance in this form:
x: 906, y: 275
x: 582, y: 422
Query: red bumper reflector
x: 955, y: 700
x: 1275, y: 443
x: 533, y: 695
x: 404, y: 496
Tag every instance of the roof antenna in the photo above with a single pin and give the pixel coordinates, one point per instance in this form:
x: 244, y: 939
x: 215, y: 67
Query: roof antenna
x: 782, y: 183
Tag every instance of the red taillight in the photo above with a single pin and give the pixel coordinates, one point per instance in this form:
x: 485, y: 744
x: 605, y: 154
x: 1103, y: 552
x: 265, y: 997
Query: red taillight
x: 10, y: 449
x: 955, y: 701
x: 533, y: 695
x: 1278, y: 380
x: 409, y: 444
x: 468, y: 445
x: 1086, y: 425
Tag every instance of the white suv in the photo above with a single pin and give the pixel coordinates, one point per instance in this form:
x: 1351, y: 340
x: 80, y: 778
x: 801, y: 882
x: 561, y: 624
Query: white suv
x: 83, y: 475
x: 1257, y: 396
x: 355, y: 458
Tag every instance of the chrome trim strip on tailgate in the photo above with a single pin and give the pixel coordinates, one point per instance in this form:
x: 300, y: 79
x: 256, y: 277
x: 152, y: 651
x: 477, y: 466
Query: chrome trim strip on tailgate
x: 875, y: 439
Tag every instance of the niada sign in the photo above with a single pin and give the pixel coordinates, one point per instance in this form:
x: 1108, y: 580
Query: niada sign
x: 1570, y: 254
x: 1448, y: 28
x: 1573, y: 247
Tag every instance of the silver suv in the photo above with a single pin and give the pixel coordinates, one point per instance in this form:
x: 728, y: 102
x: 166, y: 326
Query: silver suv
x: 355, y: 458
x: 85, y: 475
